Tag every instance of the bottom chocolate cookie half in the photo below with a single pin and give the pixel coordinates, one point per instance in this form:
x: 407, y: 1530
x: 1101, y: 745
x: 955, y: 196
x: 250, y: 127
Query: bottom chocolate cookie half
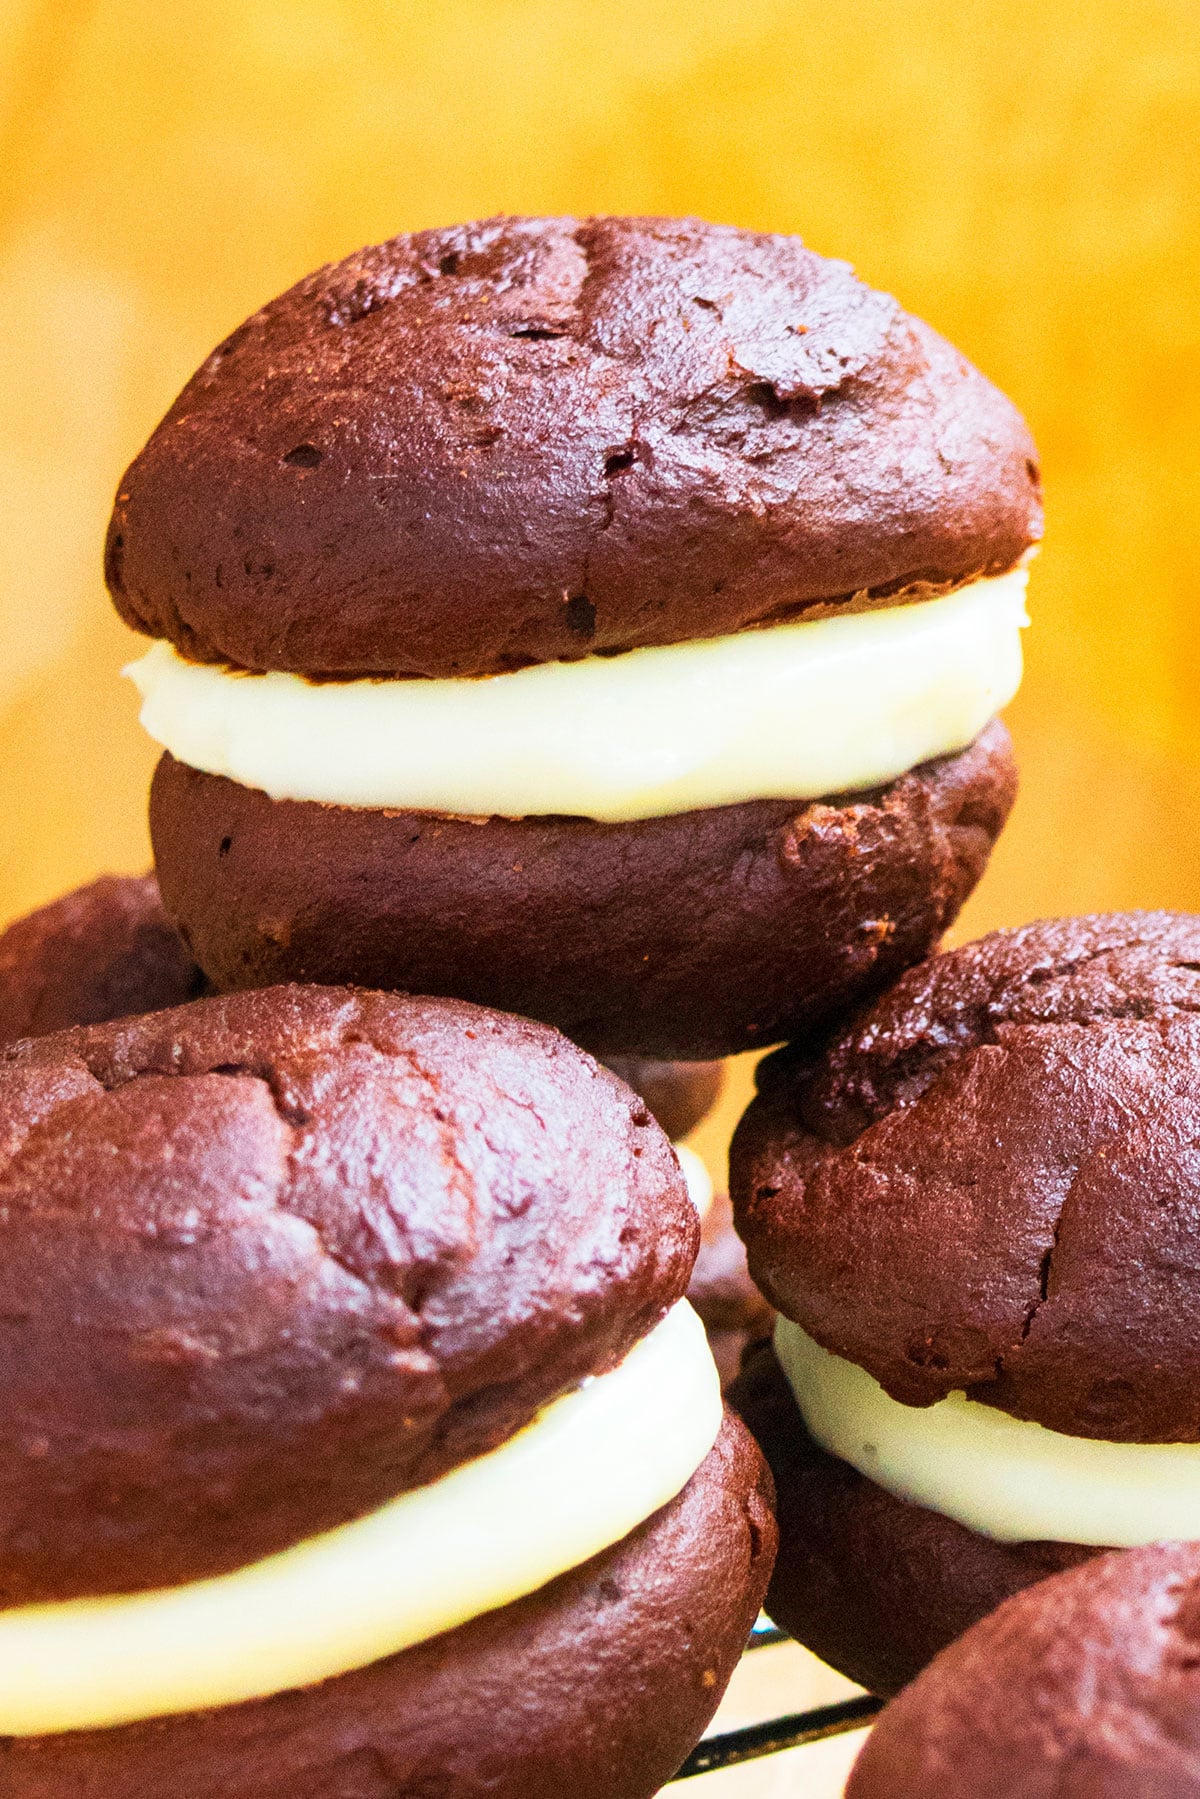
x: 598, y: 1685
x: 691, y: 936
x: 871, y: 1584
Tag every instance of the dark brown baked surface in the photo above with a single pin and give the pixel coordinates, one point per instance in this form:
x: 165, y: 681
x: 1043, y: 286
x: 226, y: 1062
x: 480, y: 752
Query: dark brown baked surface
x: 679, y: 1094
x: 732, y: 1309
x: 1084, y: 1687
x: 692, y: 936
x: 267, y: 1261
x: 106, y: 950
x: 529, y: 439
x: 991, y: 1179
x: 109, y: 950
x: 873, y: 1585
x: 598, y: 1685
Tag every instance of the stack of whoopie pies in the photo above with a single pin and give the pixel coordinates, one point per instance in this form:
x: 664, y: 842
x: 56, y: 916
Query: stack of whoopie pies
x: 604, y: 621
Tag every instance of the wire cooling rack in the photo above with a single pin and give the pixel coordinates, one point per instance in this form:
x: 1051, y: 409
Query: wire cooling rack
x: 787, y: 1732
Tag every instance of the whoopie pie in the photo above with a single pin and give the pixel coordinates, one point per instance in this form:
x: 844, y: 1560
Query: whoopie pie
x: 604, y: 619
x: 356, y: 1438
x: 977, y: 1209
x: 680, y: 1094
x: 1086, y: 1686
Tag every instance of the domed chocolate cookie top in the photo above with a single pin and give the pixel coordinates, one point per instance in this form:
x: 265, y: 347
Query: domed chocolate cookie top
x: 104, y: 951
x: 521, y: 440
x: 267, y: 1261
x: 1082, y: 1687
x: 991, y: 1180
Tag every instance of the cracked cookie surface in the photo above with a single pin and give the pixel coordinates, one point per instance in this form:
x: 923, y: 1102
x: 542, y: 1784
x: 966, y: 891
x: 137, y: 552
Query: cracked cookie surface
x: 523, y: 440
x: 991, y: 1180
x: 269, y: 1260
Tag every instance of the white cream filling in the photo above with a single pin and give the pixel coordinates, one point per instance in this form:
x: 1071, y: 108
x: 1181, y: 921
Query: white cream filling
x: 699, y: 1180
x: 1004, y: 1477
x: 792, y: 712
x: 590, y: 1468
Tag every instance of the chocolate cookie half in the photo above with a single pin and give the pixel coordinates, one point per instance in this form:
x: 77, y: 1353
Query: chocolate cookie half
x: 104, y: 951
x: 358, y: 1379
x: 1084, y: 1687
x: 570, y: 436
x: 978, y: 1211
x: 690, y: 936
x: 590, y: 617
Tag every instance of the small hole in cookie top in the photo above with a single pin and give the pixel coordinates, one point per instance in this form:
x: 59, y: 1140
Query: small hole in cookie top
x: 618, y: 462
x: 581, y: 615
x: 114, y: 563
x: 225, y: 846
x: 304, y: 456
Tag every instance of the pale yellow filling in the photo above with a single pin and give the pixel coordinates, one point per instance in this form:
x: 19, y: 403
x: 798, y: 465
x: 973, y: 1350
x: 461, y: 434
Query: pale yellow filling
x: 699, y: 1180
x: 792, y: 712
x: 589, y: 1469
x: 1001, y: 1476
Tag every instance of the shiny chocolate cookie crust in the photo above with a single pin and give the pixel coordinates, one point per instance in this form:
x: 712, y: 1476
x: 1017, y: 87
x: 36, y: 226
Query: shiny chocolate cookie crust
x: 530, y: 439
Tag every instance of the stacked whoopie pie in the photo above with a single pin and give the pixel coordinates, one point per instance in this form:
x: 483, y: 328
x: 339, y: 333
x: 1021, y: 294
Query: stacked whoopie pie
x: 1086, y: 1686
x: 604, y: 620
x: 977, y: 1209
x: 356, y: 1438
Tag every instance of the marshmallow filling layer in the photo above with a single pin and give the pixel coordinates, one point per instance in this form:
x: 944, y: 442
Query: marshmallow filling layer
x: 793, y: 711
x: 589, y: 1469
x: 1004, y: 1477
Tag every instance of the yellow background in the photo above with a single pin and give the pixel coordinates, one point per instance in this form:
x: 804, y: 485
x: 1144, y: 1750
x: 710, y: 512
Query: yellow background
x: 1025, y: 173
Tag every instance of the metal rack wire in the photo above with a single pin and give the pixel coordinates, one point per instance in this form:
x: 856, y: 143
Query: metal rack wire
x: 775, y: 1734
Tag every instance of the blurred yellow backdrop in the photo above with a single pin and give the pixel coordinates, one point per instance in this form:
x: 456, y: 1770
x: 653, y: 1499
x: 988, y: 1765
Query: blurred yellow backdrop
x: 1025, y: 175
